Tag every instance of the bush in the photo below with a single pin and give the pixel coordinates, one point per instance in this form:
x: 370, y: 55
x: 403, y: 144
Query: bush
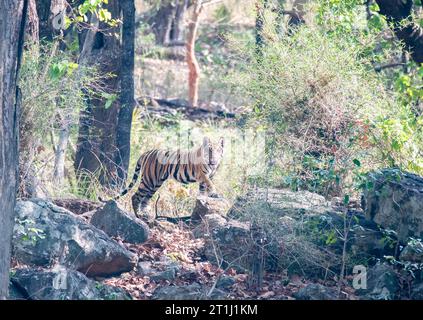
x: 317, y: 98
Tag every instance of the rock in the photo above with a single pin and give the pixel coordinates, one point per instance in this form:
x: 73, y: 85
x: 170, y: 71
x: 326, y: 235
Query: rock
x: 158, y: 271
x: 16, y: 293
x: 206, y: 205
x: 396, y: 202
x: 187, y: 292
x: 225, y: 282
x: 45, y: 233
x: 283, y: 202
x: 316, y: 291
x: 144, y: 268
x: 382, y: 283
x: 117, y: 223
x: 77, y: 206
x: 169, y: 274
x: 227, y: 242
x: 61, y: 283
x: 412, y: 252
x: 417, y: 292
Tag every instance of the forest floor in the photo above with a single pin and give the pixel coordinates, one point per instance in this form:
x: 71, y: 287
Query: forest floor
x: 178, y: 244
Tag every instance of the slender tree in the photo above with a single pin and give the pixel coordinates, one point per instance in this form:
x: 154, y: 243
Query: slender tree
x: 193, y: 66
x: 12, y: 32
x: 127, y: 102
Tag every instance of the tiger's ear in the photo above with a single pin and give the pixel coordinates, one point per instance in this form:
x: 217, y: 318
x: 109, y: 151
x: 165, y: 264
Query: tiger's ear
x: 222, y: 141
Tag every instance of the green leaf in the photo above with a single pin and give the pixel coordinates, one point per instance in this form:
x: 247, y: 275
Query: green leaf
x: 357, y: 162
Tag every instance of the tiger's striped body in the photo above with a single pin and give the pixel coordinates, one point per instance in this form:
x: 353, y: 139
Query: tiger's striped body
x: 156, y: 166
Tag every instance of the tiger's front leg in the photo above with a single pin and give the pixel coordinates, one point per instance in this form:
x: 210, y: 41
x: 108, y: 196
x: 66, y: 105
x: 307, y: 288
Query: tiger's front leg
x: 207, y: 186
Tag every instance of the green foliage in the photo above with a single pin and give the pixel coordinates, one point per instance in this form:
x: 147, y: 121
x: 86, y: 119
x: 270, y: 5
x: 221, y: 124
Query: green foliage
x: 28, y: 232
x: 314, y: 106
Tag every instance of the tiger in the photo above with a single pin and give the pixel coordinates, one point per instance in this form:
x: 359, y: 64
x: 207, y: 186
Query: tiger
x: 156, y: 166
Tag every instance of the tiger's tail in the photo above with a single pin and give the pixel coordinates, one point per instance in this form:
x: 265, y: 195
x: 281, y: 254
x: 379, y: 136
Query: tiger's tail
x: 131, y: 185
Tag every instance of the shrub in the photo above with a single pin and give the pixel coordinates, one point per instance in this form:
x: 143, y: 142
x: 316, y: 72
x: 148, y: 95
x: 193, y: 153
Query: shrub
x: 317, y: 97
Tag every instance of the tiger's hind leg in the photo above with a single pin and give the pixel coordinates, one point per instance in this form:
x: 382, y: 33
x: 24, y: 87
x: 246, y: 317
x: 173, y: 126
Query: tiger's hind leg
x: 141, y: 198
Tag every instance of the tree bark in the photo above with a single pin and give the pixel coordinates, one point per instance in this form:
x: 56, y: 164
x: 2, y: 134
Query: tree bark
x: 193, y: 66
x: 168, y: 22
x: 12, y: 33
x: 96, y: 148
x: 127, y: 102
x: 32, y: 25
x: 398, y: 12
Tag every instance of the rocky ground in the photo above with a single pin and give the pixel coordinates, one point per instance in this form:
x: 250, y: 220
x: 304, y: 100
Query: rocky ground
x: 272, y: 244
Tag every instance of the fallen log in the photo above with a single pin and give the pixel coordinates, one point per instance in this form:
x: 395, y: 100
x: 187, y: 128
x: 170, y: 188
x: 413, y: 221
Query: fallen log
x: 171, y: 107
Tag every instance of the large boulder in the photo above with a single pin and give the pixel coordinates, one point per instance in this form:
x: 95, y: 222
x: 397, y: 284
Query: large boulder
x: 61, y: 283
x: 45, y: 233
x: 413, y: 251
x: 227, y: 241
x: 396, y: 202
x: 77, y: 206
x: 382, y: 283
x: 315, y: 291
x: 207, y: 205
x: 282, y: 201
x: 118, y: 223
x: 301, y: 231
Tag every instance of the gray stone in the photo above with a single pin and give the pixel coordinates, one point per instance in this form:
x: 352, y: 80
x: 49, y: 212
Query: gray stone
x: 382, y: 283
x: 283, y: 202
x: 206, y: 205
x: 144, y: 268
x: 193, y: 291
x: 225, y: 282
x: 412, y: 252
x: 227, y: 241
x: 396, y: 202
x: 117, y: 223
x: 417, y: 291
x: 316, y: 291
x: 44, y: 234
x: 61, y: 283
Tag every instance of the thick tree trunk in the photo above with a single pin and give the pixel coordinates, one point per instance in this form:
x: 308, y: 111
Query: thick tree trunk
x: 193, y: 66
x: 12, y: 32
x: 127, y: 102
x: 168, y: 22
x: 49, y: 17
x: 396, y: 11
x: 96, y: 148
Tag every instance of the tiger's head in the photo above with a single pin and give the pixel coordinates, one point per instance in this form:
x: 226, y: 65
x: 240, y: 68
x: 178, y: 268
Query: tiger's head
x: 212, y: 151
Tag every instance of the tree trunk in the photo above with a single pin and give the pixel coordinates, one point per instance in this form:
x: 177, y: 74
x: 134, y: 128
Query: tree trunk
x: 12, y: 32
x: 96, y: 148
x: 49, y: 17
x: 178, y: 26
x: 32, y: 25
x: 168, y: 22
x: 127, y: 102
x: 193, y: 66
x: 396, y: 11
